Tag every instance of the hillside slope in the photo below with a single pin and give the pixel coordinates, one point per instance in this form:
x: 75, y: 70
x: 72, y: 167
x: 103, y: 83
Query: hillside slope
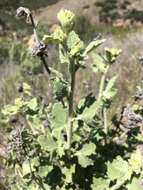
x: 49, y: 14
x: 84, y: 7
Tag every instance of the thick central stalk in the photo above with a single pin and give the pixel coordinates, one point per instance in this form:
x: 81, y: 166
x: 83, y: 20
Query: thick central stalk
x: 71, y: 101
x: 102, y: 84
x: 101, y: 90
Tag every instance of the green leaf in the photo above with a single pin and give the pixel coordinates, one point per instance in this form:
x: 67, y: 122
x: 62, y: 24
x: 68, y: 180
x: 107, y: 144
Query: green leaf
x: 87, y: 149
x: 44, y: 170
x: 110, y: 91
x: 63, y: 55
x: 118, y: 169
x: 82, y: 154
x: 90, y: 112
x: 112, y: 54
x: 26, y: 169
x: 74, y: 44
x: 59, y: 118
x: 94, y: 44
x: 14, y: 187
x: 60, y: 88
x: 99, y: 64
x: 59, y: 114
x: 58, y: 34
x: 136, y: 161
x: 10, y: 110
x: 100, y: 184
x: 46, y: 142
x: 84, y: 161
x: 27, y: 89
x: 47, y: 38
x: 35, y: 124
x: 68, y: 173
x: 33, y: 104
x: 46, y: 186
x: 33, y: 186
x: 135, y: 184
x: 34, y: 162
x: 28, y: 166
x: 19, y: 103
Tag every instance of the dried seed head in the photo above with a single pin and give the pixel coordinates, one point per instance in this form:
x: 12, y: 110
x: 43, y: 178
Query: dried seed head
x: 129, y: 119
x: 39, y: 49
x: 23, y: 12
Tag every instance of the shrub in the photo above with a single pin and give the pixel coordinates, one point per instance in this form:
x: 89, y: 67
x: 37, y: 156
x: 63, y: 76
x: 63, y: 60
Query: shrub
x: 67, y: 145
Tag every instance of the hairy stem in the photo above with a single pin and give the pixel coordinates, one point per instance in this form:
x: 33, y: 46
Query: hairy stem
x: 70, y: 100
x: 102, y: 84
x: 101, y: 89
x: 105, y: 120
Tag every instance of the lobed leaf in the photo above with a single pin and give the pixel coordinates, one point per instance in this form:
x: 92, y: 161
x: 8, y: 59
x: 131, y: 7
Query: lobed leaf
x: 98, y: 64
x: 46, y: 142
x: 110, y: 91
x: 90, y: 112
x: 82, y: 154
x: 135, y: 184
x: 68, y: 173
x: 93, y: 44
x: 74, y: 44
x: 100, y: 184
x: 118, y: 169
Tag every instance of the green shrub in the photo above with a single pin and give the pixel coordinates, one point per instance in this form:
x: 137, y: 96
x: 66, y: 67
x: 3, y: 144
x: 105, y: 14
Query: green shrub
x: 134, y: 15
x: 68, y: 145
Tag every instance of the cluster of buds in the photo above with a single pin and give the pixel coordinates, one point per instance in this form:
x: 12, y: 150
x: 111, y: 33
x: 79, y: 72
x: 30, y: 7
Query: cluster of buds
x: 66, y: 18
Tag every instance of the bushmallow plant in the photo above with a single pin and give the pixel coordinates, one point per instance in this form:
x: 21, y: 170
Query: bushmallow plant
x: 66, y: 144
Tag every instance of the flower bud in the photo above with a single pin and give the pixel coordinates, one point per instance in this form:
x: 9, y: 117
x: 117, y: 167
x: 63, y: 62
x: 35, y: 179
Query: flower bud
x: 58, y: 34
x: 66, y: 18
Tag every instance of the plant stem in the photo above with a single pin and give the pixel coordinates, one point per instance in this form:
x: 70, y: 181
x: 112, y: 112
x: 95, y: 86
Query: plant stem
x: 105, y: 120
x: 70, y: 101
x: 34, y: 29
x: 101, y: 89
x: 45, y: 64
x: 102, y: 84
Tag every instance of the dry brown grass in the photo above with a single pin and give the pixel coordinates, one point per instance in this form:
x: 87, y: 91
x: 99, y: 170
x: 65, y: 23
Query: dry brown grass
x: 48, y: 14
